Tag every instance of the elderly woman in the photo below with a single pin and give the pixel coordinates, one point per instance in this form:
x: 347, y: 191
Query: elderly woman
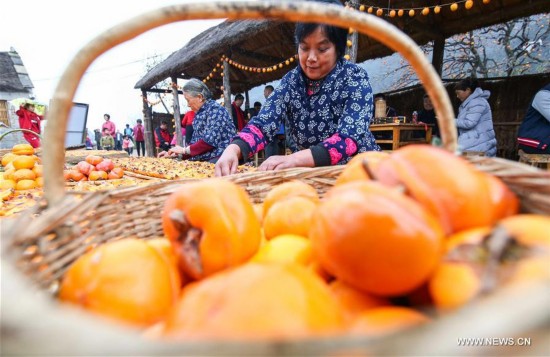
x: 326, y: 100
x: 212, y: 127
x: 475, y: 121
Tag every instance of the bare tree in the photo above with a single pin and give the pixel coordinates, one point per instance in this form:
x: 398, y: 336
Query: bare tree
x: 151, y: 63
x: 508, y: 49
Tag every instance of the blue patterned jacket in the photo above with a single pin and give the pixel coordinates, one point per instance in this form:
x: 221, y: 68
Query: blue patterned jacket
x: 335, y: 118
x: 214, y: 125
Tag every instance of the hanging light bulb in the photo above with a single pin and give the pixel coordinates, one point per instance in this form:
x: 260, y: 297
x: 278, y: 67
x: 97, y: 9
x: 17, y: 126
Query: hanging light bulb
x: 349, y: 43
x: 392, y: 13
x: 454, y: 6
x: 486, y: 1
x: 379, y: 12
x: 437, y: 10
x: 362, y: 8
x: 347, y: 57
x: 425, y: 11
x: 400, y: 13
x: 411, y: 13
x: 469, y: 4
x: 370, y: 10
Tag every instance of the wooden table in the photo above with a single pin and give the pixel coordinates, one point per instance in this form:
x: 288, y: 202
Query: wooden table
x: 396, y: 129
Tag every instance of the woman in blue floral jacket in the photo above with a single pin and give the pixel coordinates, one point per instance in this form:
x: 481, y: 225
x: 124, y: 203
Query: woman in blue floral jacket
x: 213, y: 127
x: 328, y: 103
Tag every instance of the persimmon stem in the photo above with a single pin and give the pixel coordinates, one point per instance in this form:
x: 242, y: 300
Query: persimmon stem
x: 189, y: 238
x: 368, y: 170
x: 497, y: 245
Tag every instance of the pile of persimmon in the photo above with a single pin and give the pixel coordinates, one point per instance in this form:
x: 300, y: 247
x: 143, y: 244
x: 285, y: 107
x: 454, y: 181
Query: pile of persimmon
x: 400, y: 238
x: 94, y: 168
x: 22, y: 169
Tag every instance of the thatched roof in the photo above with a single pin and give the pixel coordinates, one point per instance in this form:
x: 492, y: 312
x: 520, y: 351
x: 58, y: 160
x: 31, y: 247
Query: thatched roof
x: 263, y: 43
x: 13, y: 75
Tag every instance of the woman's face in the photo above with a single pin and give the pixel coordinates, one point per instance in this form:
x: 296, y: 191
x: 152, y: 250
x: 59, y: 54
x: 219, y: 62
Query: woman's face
x: 195, y: 103
x: 463, y: 94
x: 317, y: 55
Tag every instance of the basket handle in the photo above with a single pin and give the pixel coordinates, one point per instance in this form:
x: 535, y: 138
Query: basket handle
x: 292, y: 11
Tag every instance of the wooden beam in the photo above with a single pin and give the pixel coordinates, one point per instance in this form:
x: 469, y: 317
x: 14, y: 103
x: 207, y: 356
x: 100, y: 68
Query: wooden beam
x: 148, y: 123
x: 438, y: 54
x: 226, y: 87
x: 177, y: 113
x: 353, y: 37
x: 165, y: 91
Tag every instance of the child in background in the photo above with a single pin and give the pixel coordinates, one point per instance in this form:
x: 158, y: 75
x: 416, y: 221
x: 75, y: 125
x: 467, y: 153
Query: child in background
x: 128, y: 145
x: 107, y: 141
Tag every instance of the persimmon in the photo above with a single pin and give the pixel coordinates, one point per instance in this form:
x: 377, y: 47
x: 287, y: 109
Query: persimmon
x: 118, y: 171
x: 76, y: 175
x: 23, y: 174
x: 376, y: 239
x: 164, y: 248
x: 93, y: 159
x: 85, y: 167
x: 39, y: 181
x: 289, y: 189
x: 289, y: 216
x: 23, y: 162
x: 97, y: 175
x: 387, y: 320
x: 454, y: 284
x: 38, y: 170
x: 8, y: 173
x: 356, y: 170
x: 127, y: 280
x: 7, y: 184
x: 25, y: 185
x: 446, y: 185
x: 287, y: 248
x: 211, y: 225
x: 530, y: 229
x: 9, y: 157
x: 105, y: 165
x: 256, y: 301
x: 22, y: 149
x: 354, y: 301
x: 479, y: 260
x: 505, y: 203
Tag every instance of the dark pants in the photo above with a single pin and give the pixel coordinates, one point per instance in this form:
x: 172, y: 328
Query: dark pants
x: 276, y: 147
x: 140, y: 146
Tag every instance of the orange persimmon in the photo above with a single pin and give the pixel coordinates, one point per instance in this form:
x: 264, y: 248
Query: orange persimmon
x: 211, y: 225
x: 376, y: 239
x: 289, y: 189
x: 246, y: 303
x: 446, y: 185
x: 356, y: 170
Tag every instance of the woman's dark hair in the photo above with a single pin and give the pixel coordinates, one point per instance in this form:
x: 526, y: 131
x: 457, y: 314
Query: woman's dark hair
x: 337, y: 35
x: 467, y: 83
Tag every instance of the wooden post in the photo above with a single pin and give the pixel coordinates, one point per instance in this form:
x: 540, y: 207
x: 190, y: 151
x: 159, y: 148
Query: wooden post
x: 148, y: 123
x: 177, y: 114
x: 247, y: 106
x: 353, y: 37
x: 438, y: 53
x: 226, y: 87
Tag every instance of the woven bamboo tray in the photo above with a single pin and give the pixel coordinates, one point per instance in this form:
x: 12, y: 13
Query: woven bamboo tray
x: 67, y: 225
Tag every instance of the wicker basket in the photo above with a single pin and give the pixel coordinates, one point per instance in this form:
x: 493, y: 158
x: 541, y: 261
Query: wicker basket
x: 68, y: 224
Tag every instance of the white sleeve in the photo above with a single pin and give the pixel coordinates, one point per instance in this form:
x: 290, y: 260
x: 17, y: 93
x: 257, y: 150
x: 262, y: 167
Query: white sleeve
x: 541, y: 103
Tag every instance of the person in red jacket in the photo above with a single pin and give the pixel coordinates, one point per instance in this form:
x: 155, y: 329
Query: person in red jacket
x: 29, y: 120
x: 163, y: 137
x: 139, y: 137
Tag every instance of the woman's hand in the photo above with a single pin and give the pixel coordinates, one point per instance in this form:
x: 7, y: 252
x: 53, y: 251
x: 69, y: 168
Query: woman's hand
x: 173, y: 152
x: 229, y: 161
x: 302, y: 158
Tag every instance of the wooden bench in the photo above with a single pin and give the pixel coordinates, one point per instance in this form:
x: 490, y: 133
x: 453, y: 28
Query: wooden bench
x: 538, y: 160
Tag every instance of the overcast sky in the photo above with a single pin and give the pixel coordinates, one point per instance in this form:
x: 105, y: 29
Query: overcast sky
x: 47, y: 34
